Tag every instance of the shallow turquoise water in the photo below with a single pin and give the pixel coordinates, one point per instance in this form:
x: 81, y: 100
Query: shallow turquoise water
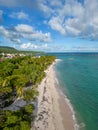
x: 78, y: 77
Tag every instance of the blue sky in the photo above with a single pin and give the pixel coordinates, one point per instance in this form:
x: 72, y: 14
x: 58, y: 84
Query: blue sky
x: 49, y: 25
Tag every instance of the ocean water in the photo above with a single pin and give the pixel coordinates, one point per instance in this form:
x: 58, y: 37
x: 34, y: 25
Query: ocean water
x: 78, y: 77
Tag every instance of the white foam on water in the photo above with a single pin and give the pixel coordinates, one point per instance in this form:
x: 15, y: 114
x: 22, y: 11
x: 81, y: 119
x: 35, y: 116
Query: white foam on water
x: 76, y: 125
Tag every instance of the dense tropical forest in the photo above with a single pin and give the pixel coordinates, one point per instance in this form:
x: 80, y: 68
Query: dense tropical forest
x: 19, y: 79
x: 11, y: 50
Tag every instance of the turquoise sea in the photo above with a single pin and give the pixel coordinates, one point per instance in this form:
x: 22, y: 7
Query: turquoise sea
x: 78, y: 77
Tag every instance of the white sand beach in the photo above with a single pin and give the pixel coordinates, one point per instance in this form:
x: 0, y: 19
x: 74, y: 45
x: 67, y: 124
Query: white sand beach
x: 53, y: 112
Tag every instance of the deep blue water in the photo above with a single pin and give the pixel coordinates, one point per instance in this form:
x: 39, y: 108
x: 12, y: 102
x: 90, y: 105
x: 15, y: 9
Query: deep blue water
x: 78, y: 77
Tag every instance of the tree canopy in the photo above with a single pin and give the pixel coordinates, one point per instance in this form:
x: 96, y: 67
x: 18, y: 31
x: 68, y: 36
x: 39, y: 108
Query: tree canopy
x: 19, y: 78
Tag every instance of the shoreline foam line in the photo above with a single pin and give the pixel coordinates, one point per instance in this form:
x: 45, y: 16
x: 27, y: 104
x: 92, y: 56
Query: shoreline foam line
x: 67, y: 100
x: 76, y: 126
x: 49, y: 115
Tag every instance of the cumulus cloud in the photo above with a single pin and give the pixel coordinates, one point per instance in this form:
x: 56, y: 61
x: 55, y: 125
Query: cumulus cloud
x: 55, y: 3
x: 23, y: 28
x: 23, y: 31
x: 49, y: 7
x: 36, y: 47
x: 76, y: 19
x: 19, y: 15
x: 69, y: 17
x: 56, y: 24
x: 10, y: 34
x: 27, y: 31
x: 72, y: 18
x: 4, y: 32
x: 42, y: 5
x: 28, y: 46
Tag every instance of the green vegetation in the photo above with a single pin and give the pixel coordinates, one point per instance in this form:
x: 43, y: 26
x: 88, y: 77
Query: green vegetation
x: 11, y: 50
x: 6, y: 49
x: 17, y: 120
x: 19, y: 78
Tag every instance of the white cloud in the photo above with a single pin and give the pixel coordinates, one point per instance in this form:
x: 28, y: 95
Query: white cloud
x: 72, y: 31
x: 56, y: 24
x: 26, y: 32
x: 18, y: 3
x: 46, y: 37
x: 73, y: 9
x: 76, y: 19
x: 45, y: 8
x: 69, y: 17
x: 29, y: 46
x: 65, y: 18
x: 9, y: 34
x: 19, y: 15
x: 16, y: 40
x: 36, y: 47
x: 45, y: 45
x: 1, y: 13
x: 26, y: 45
x: 23, y: 28
x: 30, y: 4
x: 55, y: 3
x: 4, y: 32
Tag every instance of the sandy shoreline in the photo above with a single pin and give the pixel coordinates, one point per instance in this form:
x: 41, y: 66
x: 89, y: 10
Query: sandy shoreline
x: 53, y: 111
